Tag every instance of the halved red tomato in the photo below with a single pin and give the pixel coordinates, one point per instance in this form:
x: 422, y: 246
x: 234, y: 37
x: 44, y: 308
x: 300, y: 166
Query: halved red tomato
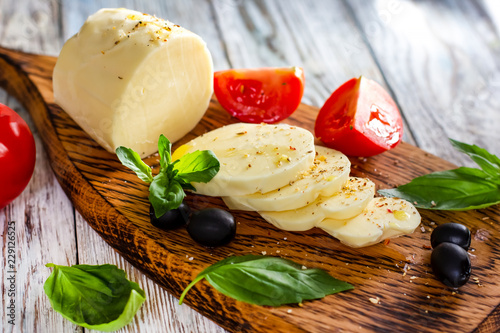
x: 17, y: 155
x: 260, y: 95
x: 359, y: 119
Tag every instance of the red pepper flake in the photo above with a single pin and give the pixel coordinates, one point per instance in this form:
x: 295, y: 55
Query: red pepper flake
x: 293, y: 148
x: 389, y: 210
x: 427, y: 247
x: 387, y: 241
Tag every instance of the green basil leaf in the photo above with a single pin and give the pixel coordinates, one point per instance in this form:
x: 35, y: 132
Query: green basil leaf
x: 264, y: 280
x: 489, y: 163
x: 198, y: 166
x: 458, y: 189
x: 186, y: 186
x: 166, y: 190
x: 164, y: 150
x: 97, y: 297
x: 165, y: 194
x: 132, y: 160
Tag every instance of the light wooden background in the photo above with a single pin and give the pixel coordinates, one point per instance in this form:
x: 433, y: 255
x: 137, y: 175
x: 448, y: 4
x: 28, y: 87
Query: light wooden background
x: 439, y: 59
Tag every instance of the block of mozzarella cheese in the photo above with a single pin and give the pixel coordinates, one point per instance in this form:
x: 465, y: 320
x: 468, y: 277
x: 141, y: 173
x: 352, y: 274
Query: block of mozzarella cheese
x: 253, y: 157
x: 127, y: 77
x: 326, y: 176
x: 383, y: 218
x: 347, y: 203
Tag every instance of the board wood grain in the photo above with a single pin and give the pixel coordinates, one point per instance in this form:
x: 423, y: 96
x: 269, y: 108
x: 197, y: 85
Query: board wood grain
x: 114, y: 202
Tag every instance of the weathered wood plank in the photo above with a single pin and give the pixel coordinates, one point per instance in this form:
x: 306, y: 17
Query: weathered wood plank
x: 43, y: 215
x: 44, y: 230
x: 30, y: 26
x: 492, y: 13
x: 445, y: 70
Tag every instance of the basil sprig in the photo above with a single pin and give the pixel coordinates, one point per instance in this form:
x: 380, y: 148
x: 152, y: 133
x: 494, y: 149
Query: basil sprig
x: 97, y: 297
x: 265, y: 280
x: 463, y: 188
x: 166, y: 189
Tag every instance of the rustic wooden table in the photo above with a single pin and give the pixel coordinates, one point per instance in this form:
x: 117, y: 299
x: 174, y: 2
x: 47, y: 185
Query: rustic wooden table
x: 439, y: 59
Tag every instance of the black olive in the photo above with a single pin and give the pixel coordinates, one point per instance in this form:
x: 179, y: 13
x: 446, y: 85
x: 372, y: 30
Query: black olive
x: 451, y: 264
x: 172, y: 219
x: 455, y: 233
x: 212, y: 227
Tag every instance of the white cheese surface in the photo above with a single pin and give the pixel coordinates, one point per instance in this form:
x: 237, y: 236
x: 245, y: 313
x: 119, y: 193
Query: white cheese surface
x: 347, y: 203
x: 383, y: 218
x: 127, y: 77
x: 254, y: 157
x: 325, y: 177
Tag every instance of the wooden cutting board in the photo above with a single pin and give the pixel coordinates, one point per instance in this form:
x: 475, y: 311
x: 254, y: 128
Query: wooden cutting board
x: 114, y: 202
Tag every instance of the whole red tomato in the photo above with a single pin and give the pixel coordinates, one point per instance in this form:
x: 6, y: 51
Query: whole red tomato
x: 17, y: 155
x: 359, y: 119
x: 260, y: 95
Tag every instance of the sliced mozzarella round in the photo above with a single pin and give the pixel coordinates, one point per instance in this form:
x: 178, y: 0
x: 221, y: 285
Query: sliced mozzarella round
x: 326, y: 176
x: 254, y: 157
x: 349, y: 202
x: 127, y: 77
x: 383, y: 218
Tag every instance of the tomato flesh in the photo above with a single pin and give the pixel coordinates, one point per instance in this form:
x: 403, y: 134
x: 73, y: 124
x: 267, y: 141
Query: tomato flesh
x: 359, y: 119
x: 17, y: 155
x: 260, y: 95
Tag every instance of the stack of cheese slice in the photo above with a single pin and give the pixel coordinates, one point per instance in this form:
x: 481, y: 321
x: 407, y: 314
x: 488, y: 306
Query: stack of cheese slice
x: 277, y: 171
